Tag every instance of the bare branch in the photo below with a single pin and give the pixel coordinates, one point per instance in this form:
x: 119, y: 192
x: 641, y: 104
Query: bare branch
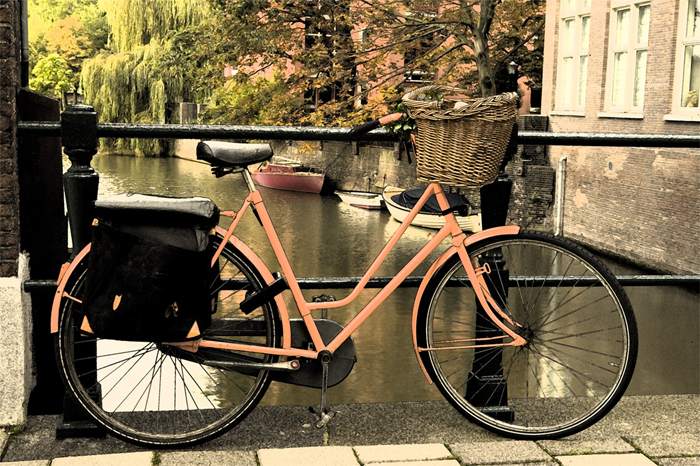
x: 521, y: 44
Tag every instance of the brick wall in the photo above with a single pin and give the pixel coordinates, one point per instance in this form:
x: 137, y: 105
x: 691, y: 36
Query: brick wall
x: 9, y: 189
x: 640, y: 203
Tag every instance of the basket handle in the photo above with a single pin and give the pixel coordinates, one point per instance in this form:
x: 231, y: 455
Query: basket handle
x: 434, y: 104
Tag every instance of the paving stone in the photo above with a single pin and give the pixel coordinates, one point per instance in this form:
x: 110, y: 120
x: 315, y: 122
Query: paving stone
x: 142, y: 458
x: 419, y: 463
x: 499, y: 452
x: 586, y: 446
x: 692, y: 461
x: 309, y: 456
x: 380, y: 453
x: 667, y: 443
x: 635, y: 459
x: 537, y: 463
x: 4, y: 437
x: 208, y: 458
x: 27, y: 463
x: 38, y: 442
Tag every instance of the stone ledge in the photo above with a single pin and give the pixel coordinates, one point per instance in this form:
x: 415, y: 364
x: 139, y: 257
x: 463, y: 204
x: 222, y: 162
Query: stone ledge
x: 15, y: 347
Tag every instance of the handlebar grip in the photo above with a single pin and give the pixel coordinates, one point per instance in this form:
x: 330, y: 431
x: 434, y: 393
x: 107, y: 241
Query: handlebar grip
x: 364, y: 128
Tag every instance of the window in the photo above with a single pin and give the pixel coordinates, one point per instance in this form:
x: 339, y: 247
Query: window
x: 688, y: 60
x: 629, y: 36
x: 573, y: 54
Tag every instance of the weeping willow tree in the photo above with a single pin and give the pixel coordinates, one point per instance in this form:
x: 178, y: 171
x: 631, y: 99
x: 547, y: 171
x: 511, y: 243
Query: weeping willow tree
x: 137, y: 81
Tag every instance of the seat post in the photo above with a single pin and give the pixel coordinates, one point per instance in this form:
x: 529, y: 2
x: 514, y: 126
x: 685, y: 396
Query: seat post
x: 248, y: 179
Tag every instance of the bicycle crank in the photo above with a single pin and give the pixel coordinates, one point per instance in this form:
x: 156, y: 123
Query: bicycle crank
x: 323, y: 413
x: 286, y: 366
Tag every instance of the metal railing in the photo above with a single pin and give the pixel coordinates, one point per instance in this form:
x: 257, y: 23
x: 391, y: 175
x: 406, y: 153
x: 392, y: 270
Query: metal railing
x: 80, y: 130
x: 307, y: 133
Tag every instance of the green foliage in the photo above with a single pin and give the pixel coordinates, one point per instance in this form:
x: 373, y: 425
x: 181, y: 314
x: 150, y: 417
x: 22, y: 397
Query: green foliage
x: 133, y: 87
x: 403, y: 127
x: 135, y: 23
x: 75, y: 30
x: 309, y: 42
x: 244, y: 101
x: 150, y: 73
x: 51, y: 76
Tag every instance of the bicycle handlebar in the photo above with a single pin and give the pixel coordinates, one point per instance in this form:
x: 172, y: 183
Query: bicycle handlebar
x: 376, y: 123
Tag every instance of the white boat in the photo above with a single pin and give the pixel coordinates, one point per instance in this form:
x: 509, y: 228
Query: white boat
x: 393, y: 199
x: 361, y: 199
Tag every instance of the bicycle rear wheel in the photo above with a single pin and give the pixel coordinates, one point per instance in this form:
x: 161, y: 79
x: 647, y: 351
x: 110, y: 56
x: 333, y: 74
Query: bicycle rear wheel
x: 158, y: 395
x: 580, y: 330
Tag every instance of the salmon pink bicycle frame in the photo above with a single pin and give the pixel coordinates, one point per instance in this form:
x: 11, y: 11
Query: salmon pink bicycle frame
x: 460, y: 241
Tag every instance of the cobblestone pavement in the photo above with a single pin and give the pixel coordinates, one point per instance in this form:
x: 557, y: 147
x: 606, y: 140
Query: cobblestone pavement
x: 640, y: 431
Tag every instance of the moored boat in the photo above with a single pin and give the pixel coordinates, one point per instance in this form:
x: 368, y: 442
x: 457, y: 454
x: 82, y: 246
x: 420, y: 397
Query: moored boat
x: 290, y: 177
x: 361, y: 199
x: 400, y: 202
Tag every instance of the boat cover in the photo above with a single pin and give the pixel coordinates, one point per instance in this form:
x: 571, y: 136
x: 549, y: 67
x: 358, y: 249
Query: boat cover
x: 410, y: 197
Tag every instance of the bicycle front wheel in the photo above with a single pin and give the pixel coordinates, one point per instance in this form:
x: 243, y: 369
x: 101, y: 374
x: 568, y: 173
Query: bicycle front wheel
x: 158, y: 395
x: 577, y: 320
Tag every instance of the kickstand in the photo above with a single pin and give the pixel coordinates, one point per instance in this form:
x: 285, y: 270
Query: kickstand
x: 323, y: 413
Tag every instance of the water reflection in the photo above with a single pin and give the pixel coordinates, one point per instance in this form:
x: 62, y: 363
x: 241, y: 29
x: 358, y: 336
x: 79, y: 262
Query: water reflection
x: 327, y: 238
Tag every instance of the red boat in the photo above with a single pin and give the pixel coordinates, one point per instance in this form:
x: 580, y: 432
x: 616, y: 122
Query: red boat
x: 289, y: 177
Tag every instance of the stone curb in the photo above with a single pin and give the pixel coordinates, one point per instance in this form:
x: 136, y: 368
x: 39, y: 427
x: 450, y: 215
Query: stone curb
x: 641, y: 431
x: 509, y: 453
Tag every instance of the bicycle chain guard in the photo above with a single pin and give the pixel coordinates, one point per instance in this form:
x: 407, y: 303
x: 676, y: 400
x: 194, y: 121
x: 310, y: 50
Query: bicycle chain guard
x: 310, y: 374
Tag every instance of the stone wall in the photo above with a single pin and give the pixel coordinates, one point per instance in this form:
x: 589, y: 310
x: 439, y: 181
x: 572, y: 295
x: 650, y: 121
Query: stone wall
x: 639, y: 203
x: 355, y: 166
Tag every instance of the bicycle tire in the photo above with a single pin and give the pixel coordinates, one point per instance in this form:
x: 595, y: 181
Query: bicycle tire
x: 578, y: 322
x: 156, y: 395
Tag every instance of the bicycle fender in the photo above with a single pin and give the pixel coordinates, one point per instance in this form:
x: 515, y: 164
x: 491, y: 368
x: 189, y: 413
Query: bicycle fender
x: 267, y: 276
x: 63, y: 278
x: 491, y: 232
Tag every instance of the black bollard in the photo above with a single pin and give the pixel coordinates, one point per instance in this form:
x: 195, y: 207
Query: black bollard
x: 486, y: 387
x: 80, y: 182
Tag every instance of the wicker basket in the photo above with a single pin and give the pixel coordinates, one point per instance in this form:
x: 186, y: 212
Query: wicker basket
x: 460, y: 145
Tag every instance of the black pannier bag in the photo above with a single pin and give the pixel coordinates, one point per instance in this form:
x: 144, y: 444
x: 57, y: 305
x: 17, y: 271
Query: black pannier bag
x: 149, y: 269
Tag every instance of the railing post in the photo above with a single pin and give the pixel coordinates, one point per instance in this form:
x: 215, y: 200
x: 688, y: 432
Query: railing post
x: 79, y: 139
x: 486, y: 387
x: 80, y: 182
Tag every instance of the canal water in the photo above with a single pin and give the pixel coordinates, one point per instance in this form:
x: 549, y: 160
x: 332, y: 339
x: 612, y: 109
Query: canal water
x: 326, y: 238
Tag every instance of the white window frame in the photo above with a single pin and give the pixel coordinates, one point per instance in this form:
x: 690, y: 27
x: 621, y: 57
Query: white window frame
x: 684, y: 40
x: 626, y: 105
x: 571, y: 94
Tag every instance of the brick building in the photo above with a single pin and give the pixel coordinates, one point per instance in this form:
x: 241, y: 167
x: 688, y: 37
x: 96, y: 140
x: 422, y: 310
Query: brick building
x: 627, y: 66
x: 15, y: 312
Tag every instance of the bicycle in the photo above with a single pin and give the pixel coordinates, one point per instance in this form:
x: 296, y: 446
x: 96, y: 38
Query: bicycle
x: 527, y: 335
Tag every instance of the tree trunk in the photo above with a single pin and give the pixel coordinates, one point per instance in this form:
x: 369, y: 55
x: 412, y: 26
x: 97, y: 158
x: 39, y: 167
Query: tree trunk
x: 487, y: 83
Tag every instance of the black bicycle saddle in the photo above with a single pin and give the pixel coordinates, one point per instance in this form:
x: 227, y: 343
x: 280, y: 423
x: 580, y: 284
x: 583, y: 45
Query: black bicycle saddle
x: 233, y: 154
